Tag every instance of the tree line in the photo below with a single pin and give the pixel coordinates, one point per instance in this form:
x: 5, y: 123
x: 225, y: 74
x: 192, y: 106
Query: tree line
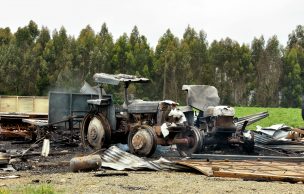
x: 34, y: 61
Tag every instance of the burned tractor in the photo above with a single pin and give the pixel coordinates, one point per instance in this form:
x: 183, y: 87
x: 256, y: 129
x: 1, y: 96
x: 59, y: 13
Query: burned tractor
x: 141, y: 124
x: 217, y: 124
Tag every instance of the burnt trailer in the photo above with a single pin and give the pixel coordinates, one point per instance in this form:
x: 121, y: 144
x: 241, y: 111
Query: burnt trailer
x: 64, y: 116
x: 141, y: 124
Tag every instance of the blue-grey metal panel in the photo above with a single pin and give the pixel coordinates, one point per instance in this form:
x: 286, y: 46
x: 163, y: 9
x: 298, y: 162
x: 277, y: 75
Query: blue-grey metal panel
x: 62, y: 105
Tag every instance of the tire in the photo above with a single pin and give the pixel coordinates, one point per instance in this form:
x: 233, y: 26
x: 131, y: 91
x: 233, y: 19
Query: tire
x: 196, y: 147
x: 95, y: 131
x: 142, y: 141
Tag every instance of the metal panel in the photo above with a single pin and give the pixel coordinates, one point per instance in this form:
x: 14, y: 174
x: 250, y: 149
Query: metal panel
x: 201, y: 96
x: 59, y: 106
x: 62, y: 105
x: 143, y: 107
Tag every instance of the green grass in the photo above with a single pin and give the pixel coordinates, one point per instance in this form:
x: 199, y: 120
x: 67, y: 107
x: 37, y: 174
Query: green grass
x: 288, y: 116
x: 30, y: 189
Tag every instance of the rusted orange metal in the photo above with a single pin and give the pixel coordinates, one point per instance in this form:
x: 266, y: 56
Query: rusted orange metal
x: 12, y: 132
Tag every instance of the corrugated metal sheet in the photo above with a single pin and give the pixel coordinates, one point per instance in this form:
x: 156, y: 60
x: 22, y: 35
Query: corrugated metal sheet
x: 118, y: 159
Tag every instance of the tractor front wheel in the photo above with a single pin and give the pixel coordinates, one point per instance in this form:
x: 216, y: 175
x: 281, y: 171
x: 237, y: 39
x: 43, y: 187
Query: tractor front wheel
x: 142, y: 141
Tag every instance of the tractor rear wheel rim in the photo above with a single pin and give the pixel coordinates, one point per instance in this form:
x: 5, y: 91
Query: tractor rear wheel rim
x: 96, y: 133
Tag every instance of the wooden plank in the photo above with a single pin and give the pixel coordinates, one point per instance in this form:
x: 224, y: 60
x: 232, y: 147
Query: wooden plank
x: 262, y: 166
x: 8, y: 104
x: 205, y: 170
x: 250, y: 170
x: 258, y: 177
x: 300, y: 131
x: 290, y: 168
x: 41, y: 104
x: 279, y: 173
x: 222, y: 157
x: 24, y: 104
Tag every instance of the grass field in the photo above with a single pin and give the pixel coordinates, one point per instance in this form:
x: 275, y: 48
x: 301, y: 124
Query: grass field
x: 288, y: 116
x: 30, y: 189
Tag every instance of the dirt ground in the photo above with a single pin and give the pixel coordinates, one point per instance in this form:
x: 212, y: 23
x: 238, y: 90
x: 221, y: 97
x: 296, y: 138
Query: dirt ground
x: 64, y: 181
x: 147, y: 182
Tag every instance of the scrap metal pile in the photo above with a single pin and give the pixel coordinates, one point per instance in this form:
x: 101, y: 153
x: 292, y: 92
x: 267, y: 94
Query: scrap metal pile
x: 281, y: 139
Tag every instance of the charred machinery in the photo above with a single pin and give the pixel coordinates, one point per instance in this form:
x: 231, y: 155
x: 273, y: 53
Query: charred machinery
x: 141, y: 124
x: 217, y: 123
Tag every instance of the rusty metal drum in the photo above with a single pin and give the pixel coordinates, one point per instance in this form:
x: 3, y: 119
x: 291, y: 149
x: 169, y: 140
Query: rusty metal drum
x: 85, y: 163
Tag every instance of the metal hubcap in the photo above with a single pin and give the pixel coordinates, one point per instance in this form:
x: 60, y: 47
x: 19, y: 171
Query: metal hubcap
x: 138, y: 141
x: 96, y: 133
x: 93, y: 134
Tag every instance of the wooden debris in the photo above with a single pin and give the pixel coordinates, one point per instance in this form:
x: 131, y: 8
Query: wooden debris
x: 38, y: 154
x: 258, y: 177
x: 249, y: 157
x: 292, y: 172
x: 10, y: 177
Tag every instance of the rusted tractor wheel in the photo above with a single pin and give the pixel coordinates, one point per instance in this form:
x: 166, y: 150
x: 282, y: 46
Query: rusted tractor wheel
x: 194, y: 139
x: 95, y: 131
x: 142, y: 141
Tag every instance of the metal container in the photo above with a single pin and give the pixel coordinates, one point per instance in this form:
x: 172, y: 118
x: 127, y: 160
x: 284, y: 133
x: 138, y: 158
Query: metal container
x: 85, y: 163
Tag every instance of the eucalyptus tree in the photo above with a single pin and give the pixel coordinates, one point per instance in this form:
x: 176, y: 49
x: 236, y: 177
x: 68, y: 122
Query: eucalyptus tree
x: 165, y: 66
x: 293, y: 77
x: 268, y: 65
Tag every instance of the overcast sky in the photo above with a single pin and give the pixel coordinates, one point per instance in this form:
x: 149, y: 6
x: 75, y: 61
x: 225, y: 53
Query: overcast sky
x: 241, y: 20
